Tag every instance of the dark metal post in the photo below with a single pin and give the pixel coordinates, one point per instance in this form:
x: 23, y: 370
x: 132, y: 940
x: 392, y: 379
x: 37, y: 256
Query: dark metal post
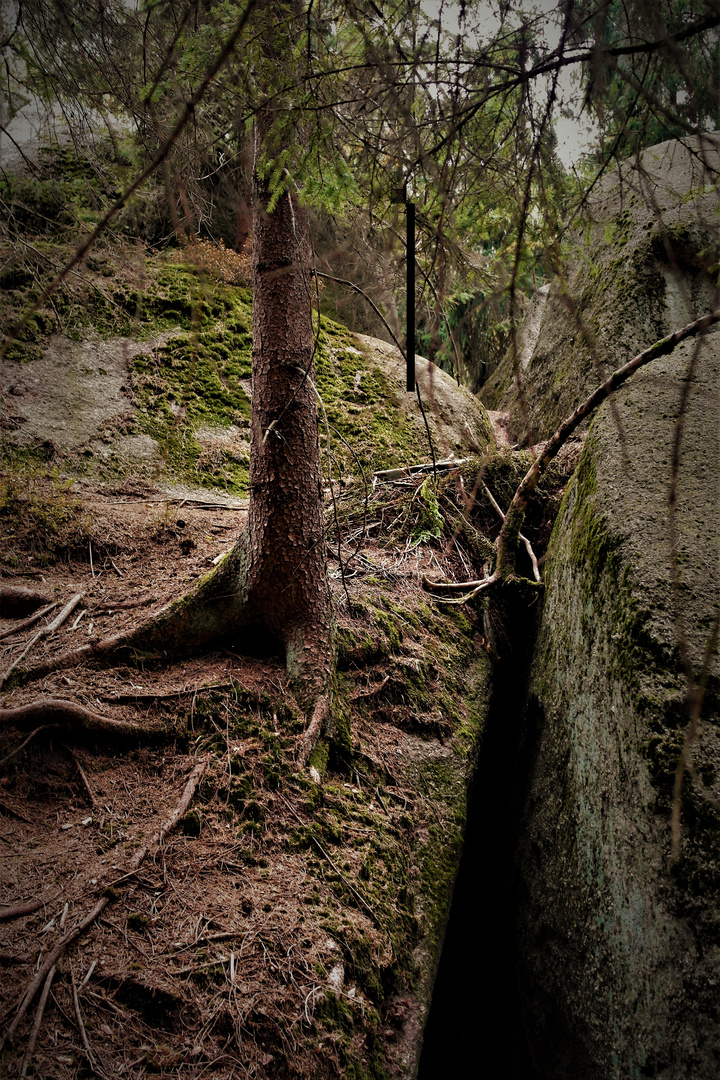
x: 410, y: 305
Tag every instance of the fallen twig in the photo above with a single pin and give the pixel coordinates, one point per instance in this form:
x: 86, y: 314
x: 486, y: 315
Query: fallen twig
x: 85, y: 782
x: 6, y: 572
x: 38, y: 1021
x: 91, y: 1060
x: 52, y: 958
x: 408, y: 470
x: 45, y: 632
x: 26, y: 623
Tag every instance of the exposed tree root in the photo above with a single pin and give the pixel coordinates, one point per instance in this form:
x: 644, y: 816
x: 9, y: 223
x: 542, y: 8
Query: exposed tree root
x: 313, y: 730
x: 18, y: 910
x: 16, y: 601
x: 58, y: 712
x: 214, y: 608
x: 218, y: 607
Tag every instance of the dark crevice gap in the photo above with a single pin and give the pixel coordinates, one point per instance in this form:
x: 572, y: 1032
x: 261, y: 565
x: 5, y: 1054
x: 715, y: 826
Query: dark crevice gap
x: 474, y: 1030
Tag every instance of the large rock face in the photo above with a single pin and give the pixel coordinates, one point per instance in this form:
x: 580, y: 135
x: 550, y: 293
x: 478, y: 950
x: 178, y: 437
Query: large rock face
x: 642, y: 266
x: 621, y: 947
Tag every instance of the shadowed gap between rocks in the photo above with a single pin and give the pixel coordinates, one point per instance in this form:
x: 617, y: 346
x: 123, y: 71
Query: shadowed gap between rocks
x: 475, y: 1029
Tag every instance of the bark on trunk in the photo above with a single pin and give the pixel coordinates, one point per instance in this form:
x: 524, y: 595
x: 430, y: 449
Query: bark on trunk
x: 276, y: 575
x: 283, y: 560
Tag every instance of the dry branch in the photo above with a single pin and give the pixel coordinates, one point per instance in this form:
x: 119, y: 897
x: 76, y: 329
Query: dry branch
x: 528, y: 546
x: 510, y: 531
x: 459, y: 586
x: 166, y: 695
x: 125, y: 605
x: 45, y: 632
x: 527, y: 486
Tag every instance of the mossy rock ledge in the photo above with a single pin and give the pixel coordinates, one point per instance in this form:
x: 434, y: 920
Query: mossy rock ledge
x: 156, y: 381
x: 620, y: 945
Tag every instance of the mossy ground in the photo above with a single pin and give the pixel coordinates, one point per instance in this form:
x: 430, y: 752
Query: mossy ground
x: 297, y: 877
x: 300, y: 877
x: 189, y: 387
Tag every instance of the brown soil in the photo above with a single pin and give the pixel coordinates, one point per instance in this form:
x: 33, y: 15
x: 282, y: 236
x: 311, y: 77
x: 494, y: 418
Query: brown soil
x: 214, y: 958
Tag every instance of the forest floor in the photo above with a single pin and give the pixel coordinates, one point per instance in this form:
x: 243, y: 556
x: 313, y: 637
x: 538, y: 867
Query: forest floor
x: 271, y: 933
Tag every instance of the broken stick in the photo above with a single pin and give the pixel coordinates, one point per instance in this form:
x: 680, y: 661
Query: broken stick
x: 38, y: 1021
x: 45, y: 632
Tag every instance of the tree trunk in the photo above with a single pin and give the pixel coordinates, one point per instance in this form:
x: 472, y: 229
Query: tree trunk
x: 275, y: 578
x: 283, y: 555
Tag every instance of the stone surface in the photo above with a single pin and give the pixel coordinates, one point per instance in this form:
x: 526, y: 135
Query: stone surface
x: 459, y: 423
x: 642, y: 266
x: 78, y: 396
x: 621, y: 946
